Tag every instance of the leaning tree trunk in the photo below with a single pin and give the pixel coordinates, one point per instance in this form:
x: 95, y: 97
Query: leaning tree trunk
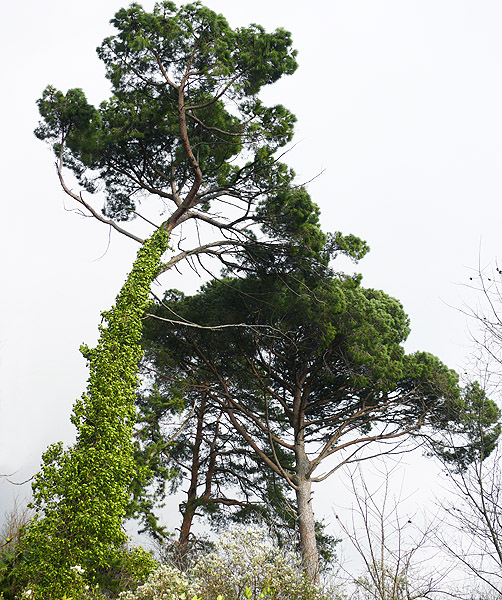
x: 306, y: 522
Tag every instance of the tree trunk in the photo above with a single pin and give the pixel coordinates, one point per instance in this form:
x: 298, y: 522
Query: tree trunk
x: 191, y: 504
x: 186, y: 526
x: 306, y: 522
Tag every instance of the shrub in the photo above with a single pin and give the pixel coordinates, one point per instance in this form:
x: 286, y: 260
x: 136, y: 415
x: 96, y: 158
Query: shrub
x: 243, y: 566
x: 14, y: 523
x: 131, y: 567
x: 165, y: 583
x: 246, y: 566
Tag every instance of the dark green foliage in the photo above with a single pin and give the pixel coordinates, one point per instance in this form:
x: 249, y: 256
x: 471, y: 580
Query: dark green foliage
x: 184, y: 95
x: 473, y: 436
x: 314, y: 361
x: 347, y: 340
x: 292, y: 211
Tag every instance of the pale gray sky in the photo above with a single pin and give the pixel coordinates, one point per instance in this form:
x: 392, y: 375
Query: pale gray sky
x: 398, y: 103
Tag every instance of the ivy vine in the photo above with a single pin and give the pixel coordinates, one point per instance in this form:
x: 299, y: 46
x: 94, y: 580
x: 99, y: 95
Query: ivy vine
x: 81, y: 493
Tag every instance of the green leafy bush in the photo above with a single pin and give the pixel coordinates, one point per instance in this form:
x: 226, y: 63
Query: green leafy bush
x: 13, y: 524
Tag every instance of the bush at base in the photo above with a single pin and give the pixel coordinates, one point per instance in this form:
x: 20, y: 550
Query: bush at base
x: 244, y: 566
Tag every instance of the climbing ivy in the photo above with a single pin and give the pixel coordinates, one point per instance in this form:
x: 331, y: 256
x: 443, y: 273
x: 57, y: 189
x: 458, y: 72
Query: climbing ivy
x: 81, y: 493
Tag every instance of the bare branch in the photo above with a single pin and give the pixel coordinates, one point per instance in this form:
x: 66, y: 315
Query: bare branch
x: 93, y: 212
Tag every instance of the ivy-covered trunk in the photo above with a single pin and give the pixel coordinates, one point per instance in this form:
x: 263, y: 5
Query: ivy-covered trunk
x: 81, y: 494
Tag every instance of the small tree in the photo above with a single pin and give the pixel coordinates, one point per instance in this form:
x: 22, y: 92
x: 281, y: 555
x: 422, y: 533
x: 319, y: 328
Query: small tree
x: 474, y: 516
x: 320, y: 371
x: 473, y: 532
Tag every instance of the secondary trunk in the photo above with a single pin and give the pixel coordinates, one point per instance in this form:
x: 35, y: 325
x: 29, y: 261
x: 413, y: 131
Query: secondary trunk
x: 191, y: 503
x: 186, y: 526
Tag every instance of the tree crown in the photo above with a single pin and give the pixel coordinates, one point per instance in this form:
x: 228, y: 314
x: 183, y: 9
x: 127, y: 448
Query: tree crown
x: 184, y: 114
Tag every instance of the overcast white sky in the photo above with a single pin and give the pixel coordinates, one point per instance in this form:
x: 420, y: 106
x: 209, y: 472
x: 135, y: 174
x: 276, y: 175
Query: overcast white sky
x: 398, y: 101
